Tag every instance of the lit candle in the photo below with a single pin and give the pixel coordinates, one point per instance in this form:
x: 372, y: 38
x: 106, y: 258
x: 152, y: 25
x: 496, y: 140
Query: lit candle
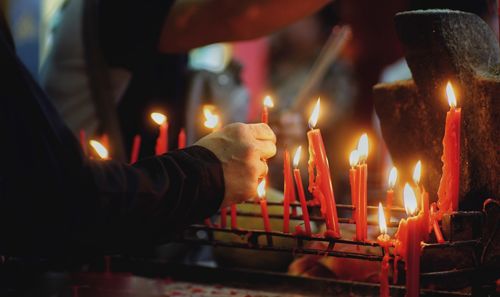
x: 261, y: 192
x: 424, y: 200
x: 384, y: 240
x: 100, y: 149
x: 181, y: 140
x: 234, y: 217
x: 136, y: 146
x: 320, y: 183
x: 300, y: 190
x: 393, y: 176
x: 449, y: 184
x: 409, y: 237
x: 353, y: 181
x: 266, y: 104
x: 361, y: 204
x: 162, y: 140
x: 212, y: 120
x: 289, y: 191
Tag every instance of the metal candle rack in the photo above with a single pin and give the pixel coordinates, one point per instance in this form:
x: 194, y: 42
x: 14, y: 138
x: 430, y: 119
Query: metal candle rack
x: 451, y: 272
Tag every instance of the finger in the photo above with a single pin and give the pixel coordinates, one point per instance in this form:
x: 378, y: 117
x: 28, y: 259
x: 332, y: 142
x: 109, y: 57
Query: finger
x: 262, y: 131
x: 262, y: 169
x: 266, y: 149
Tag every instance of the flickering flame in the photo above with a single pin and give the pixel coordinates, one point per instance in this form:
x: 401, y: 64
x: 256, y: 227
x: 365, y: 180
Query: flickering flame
x: 158, y: 118
x: 296, y: 157
x: 99, y: 149
x: 268, y: 102
x: 261, y: 188
x: 354, y: 158
x: 452, y: 100
x: 381, y: 219
x: 393, y: 176
x: 313, y: 120
x: 417, y: 171
x: 410, y: 200
x: 211, y: 119
x: 363, y: 147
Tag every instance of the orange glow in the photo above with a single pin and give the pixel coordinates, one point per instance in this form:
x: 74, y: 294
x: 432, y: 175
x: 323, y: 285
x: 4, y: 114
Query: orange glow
x: 363, y: 147
x: 354, y: 158
x: 313, y: 120
x: 393, y: 176
x: 211, y: 118
x: 296, y: 157
x: 417, y: 172
x: 159, y: 118
x: 452, y: 100
x: 410, y: 200
x: 261, y: 188
x: 268, y: 102
x: 99, y: 149
x: 381, y: 219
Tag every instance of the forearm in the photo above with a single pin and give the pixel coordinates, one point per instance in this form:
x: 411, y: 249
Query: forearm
x: 193, y: 23
x: 150, y: 202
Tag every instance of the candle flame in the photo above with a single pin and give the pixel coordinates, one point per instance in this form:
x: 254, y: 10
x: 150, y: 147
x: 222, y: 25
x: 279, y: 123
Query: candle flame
x: 268, y: 102
x: 417, y: 172
x: 393, y: 176
x: 363, y: 147
x: 452, y: 100
x: 381, y: 219
x: 354, y: 158
x: 99, y: 149
x: 158, y: 118
x: 211, y: 119
x: 261, y: 188
x: 313, y: 120
x: 296, y: 157
x: 410, y: 200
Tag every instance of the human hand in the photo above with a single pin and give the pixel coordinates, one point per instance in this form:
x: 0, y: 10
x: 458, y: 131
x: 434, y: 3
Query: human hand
x: 242, y: 150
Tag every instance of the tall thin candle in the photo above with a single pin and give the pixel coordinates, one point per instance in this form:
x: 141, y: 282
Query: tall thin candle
x: 162, y: 139
x: 136, y: 146
x: 289, y: 191
x: 266, y: 104
x: 181, y: 140
x: 319, y: 176
x: 384, y: 240
x: 261, y: 192
x: 449, y: 184
x: 361, y: 205
x: 300, y: 190
x: 393, y: 176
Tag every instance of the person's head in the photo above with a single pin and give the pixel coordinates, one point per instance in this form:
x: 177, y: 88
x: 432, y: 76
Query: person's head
x: 486, y: 9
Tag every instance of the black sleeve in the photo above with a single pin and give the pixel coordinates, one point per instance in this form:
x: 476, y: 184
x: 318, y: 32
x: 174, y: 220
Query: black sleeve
x: 129, y: 30
x: 55, y: 202
x: 150, y: 202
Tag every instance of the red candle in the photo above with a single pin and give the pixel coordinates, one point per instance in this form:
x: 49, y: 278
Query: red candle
x: 261, y: 191
x: 353, y: 181
x: 449, y: 184
x: 409, y: 237
x: 83, y: 142
x: 181, y: 140
x: 393, y: 176
x: 266, y: 104
x: 424, y: 200
x: 136, y: 146
x: 234, y: 217
x: 162, y: 140
x: 223, y: 217
x: 361, y: 204
x: 321, y: 183
x: 289, y: 191
x: 384, y: 241
x: 300, y: 190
